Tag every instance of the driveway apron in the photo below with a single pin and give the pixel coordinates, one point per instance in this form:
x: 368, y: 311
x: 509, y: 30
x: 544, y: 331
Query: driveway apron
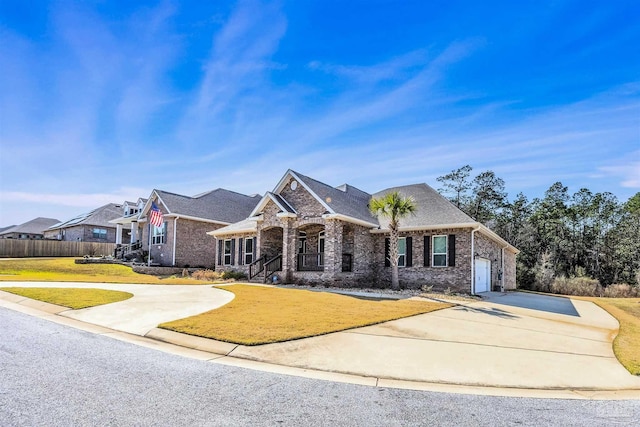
x: 149, y: 306
x: 512, y: 340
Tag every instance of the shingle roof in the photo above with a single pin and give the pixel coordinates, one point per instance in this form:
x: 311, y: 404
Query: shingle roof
x: 345, y: 200
x: 100, y: 217
x: 217, y: 205
x: 35, y: 226
x: 432, y: 209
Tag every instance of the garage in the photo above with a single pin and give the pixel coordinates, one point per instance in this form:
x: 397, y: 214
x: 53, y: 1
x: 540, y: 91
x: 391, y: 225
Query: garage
x: 483, y: 275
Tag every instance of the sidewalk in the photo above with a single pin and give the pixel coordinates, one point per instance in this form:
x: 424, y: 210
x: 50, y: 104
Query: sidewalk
x: 513, y: 344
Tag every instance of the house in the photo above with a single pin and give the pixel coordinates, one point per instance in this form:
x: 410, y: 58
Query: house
x: 93, y: 226
x: 307, y: 232
x: 127, y: 224
x: 31, y: 230
x: 182, y: 240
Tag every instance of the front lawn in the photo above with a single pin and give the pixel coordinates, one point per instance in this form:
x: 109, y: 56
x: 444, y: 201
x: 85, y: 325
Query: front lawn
x: 626, y: 345
x: 262, y: 315
x: 74, y: 298
x: 66, y: 270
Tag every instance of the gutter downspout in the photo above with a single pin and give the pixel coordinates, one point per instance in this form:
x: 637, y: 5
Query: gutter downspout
x: 502, y: 269
x: 175, y: 232
x: 473, y: 261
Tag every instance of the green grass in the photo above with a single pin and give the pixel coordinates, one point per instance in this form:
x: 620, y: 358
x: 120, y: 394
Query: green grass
x: 71, y: 297
x: 262, y: 315
x: 66, y: 270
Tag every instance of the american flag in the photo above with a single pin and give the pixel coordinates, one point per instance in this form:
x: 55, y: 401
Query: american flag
x: 155, y: 216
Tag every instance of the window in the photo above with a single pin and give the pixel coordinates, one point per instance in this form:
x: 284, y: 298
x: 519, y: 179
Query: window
x: 227, y: 252
x: 402, y: 251
x: 100, y: 233
x: 248, y: 250
x: 159, y: 235
x: 439, y: 251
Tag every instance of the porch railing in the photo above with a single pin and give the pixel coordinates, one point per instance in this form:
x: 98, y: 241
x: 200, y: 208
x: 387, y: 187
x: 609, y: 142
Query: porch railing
x: 121, y: 250
x: 311, y: 262
x: 257, y: 266
x: 347, y: 263
x: 273, y: 265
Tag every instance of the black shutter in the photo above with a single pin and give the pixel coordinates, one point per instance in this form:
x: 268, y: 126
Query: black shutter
x: 452, y: 250
x: 387, y: 263
x: 427, y: 251
x: 255, y: 248
x: 240, y: 248
x: 409, y: 254
x: 233, y: 251
x: 220, y: 243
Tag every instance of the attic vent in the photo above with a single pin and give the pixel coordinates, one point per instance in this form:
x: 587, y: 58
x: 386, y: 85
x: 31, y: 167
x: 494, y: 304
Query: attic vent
x: 294, y: 184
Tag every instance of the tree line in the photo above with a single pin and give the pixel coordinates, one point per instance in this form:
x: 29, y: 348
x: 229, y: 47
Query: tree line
x: 584, y: 234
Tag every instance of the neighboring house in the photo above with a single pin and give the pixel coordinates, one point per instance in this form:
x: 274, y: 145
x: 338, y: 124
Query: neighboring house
x: 128, y: 223
x: 308, y: 232
x: 182, y: 240
x: 30, y: 230
x: 92, y: 226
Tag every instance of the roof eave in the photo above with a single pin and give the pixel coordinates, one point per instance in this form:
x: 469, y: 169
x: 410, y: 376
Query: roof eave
x: 350, y: 219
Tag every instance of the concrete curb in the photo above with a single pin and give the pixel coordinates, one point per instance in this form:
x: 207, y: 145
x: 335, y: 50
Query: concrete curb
x: 221, y: 352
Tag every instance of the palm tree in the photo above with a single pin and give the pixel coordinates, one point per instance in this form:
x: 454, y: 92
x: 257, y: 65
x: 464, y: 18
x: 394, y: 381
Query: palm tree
x: 394, y: 207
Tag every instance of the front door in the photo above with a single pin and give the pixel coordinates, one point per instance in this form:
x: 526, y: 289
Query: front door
x: 483, y: 275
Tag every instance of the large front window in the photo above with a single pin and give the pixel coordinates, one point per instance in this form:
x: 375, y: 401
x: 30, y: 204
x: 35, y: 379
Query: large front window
x: 439, y: 251
x: 159, y: 234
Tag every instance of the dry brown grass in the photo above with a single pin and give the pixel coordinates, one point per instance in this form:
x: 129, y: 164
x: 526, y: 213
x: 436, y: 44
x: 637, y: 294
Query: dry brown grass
x: 66, y: 270
x: 71, y: 297
x: 262, y: 315
x: 626, y: 345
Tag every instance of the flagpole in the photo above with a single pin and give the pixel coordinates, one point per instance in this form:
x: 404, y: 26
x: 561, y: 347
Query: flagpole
x: 149, y: 257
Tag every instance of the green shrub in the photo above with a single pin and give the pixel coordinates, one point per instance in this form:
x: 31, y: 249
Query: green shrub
x: 233, y: 275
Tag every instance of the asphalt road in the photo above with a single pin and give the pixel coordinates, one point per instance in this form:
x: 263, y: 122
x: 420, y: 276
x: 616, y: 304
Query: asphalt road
x: 54, y: 375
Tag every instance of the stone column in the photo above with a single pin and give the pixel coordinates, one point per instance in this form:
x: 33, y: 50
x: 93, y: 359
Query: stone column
x: 288, y: 249
x: 333, y: 247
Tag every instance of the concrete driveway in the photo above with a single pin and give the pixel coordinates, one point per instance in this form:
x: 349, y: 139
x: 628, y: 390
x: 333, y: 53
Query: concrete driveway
x: 513, y: 341
x: 149, y: 306
x: 508, y: 340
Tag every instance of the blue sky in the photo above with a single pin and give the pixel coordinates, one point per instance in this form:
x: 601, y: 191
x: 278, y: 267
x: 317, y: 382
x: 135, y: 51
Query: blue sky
x: 103, y: 101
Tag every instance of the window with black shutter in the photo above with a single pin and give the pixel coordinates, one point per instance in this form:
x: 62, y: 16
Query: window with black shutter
x: 220, y: 243
x: 387, y: 263
x: 240, y: 247
x: 409, y: 252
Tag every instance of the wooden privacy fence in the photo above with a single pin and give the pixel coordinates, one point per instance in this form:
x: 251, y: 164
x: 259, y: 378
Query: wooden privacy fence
x: 15, y: 248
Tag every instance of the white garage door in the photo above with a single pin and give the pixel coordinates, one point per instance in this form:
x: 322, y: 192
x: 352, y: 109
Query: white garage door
x: 483, y: 275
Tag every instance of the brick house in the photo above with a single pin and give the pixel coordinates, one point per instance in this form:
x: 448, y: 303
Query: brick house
x: 91, y: 227
x: 307, y: 232
x: 182, y: 240
x: 30, y: 230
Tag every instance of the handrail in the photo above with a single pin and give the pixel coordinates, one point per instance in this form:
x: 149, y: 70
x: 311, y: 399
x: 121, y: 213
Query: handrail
x: 260, y: 264
x: 271, y: 266
x: 122, y: 250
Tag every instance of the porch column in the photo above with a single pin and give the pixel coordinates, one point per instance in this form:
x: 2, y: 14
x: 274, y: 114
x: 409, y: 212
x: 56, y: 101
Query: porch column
x: 118, y: 234
x: 333, y: 247
x: 288, y: 249
x: 134, y: 232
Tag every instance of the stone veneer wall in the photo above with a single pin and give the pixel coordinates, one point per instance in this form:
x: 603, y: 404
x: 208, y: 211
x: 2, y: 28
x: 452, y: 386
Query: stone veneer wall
x: 456, y: 278
x: 302, y: 201
x: 509, y: 270
x: 488, y: 249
